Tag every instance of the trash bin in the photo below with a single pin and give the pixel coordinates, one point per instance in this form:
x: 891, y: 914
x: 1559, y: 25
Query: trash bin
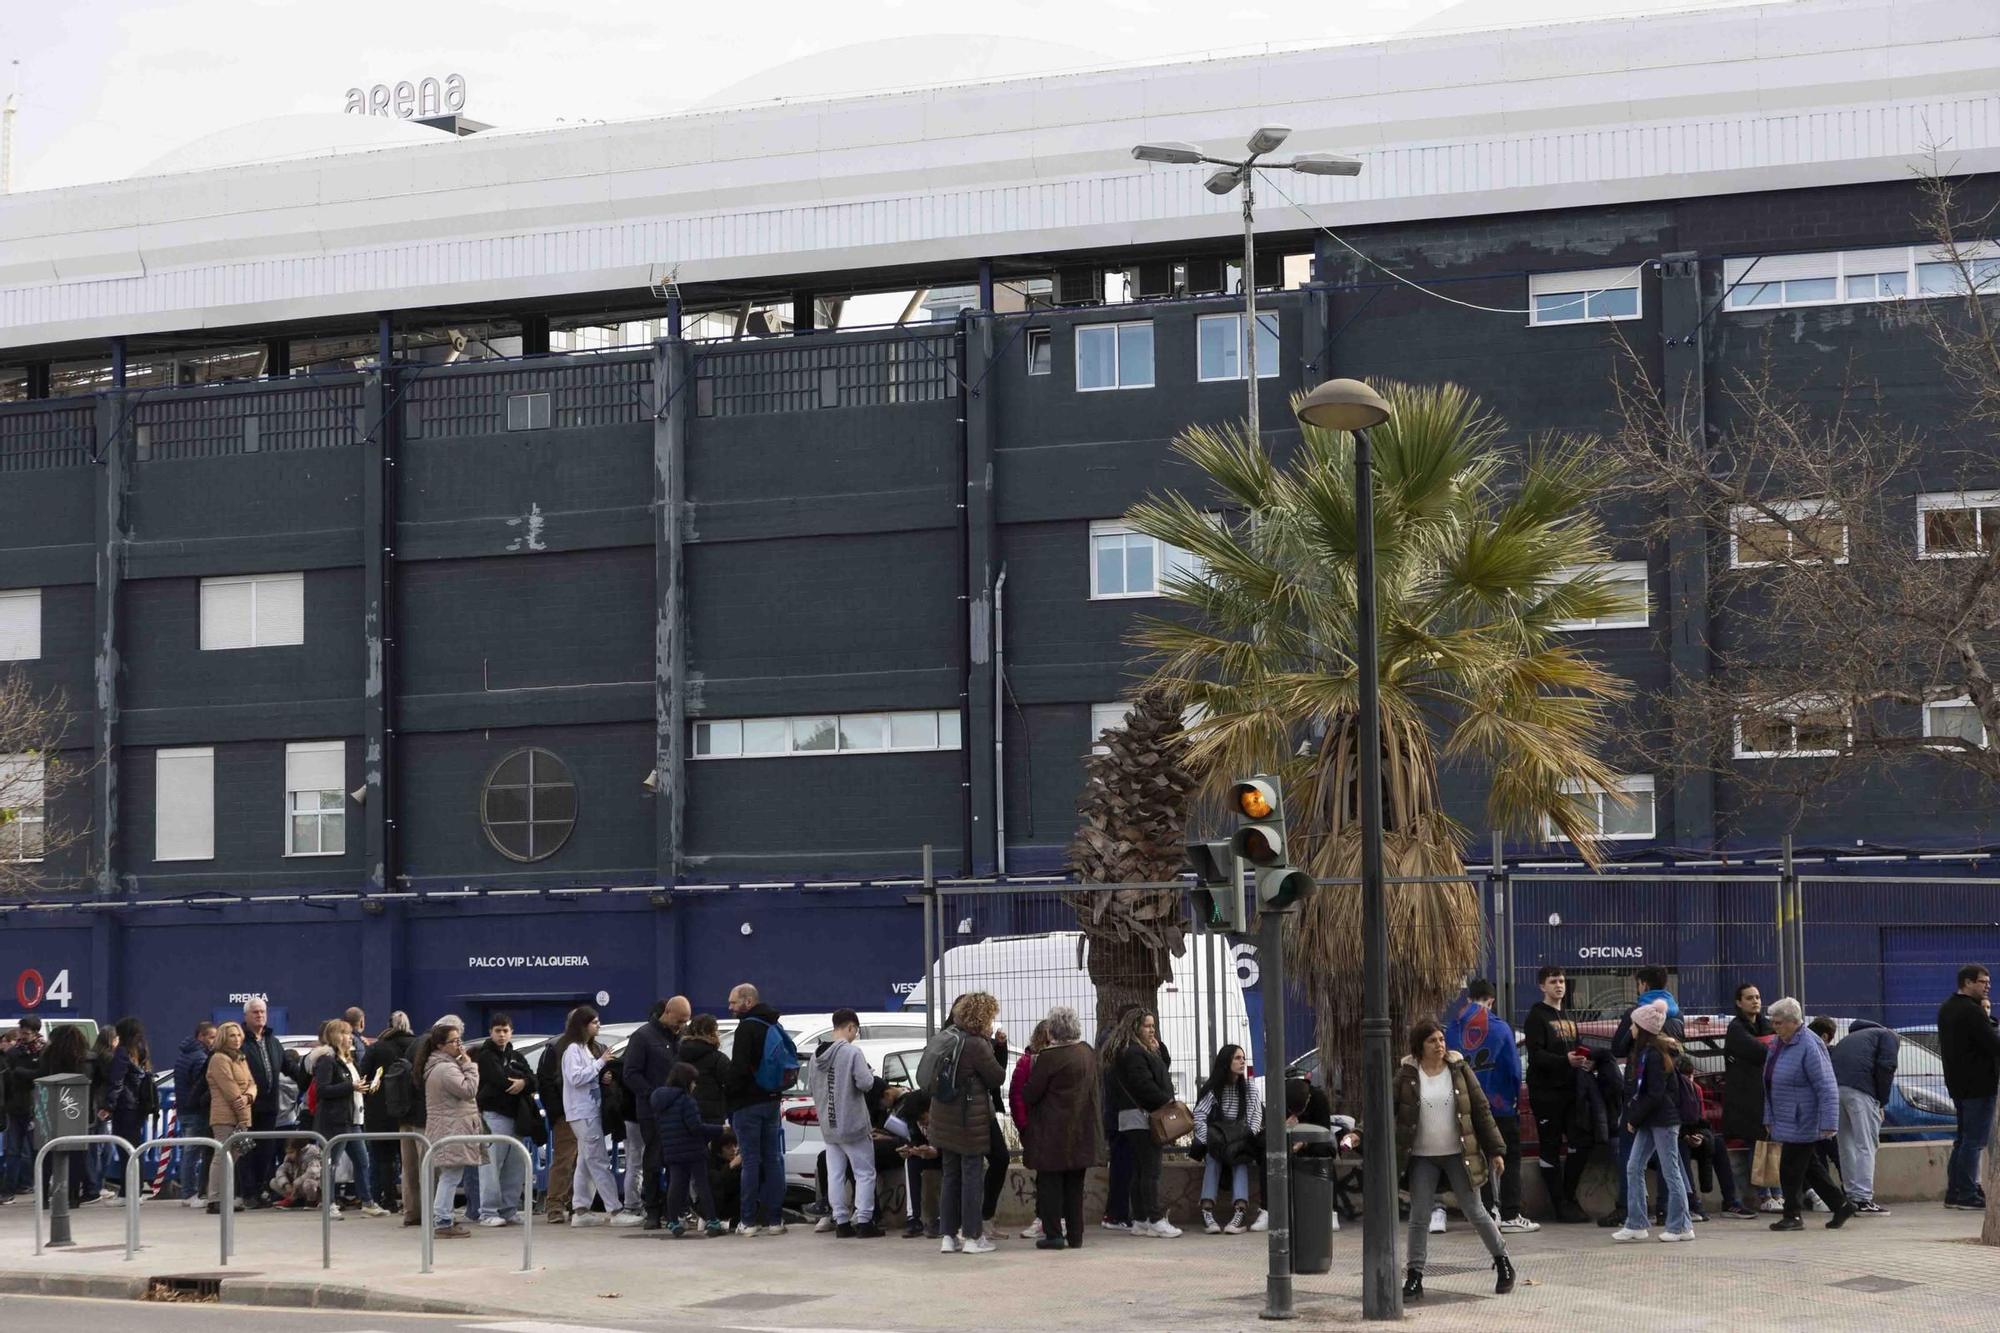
x: 1312, y: 1198
x: 62, y: 1106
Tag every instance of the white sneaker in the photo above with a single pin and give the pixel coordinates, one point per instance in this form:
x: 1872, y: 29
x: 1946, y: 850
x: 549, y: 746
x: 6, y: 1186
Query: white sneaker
x: 1126, y: 1227
x: 590, y: 1220
x: 492, y: 1220
x: 745, y: 1229
x: 377, y: 1210
x: 191, y: 1203
x: 1032, y: 1231
x: 1238, y: 1222
x: 335, y: 1213
x: 617, y: 1220
x: 978, y: 1245
x: 1437, y: 1221
x: 1771, y: 1206
x: 774, y: 1229
x: 1518, y: 1225
x: 1625, y: 1234
x: 1677, y: 1235
x: 1336, y: 1219
x: 1208, y: 1222
x: 1263, y: 1222
x: 950, y: 1245
x: 1165, y: 1230
x: 824, y: 1225
x: 1815, y: 1203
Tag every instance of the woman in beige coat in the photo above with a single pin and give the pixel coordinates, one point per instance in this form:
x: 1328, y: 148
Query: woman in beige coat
x: 451, y: 1106
x: 231, y: 1090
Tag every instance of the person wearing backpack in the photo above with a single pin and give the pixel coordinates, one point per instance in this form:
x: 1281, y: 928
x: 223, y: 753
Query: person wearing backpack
x: 394, y: 1106
x: 762, y: 1063
x: 191, y: 1110
x: 961, y: 1073
x: 1487, y: 1042
x: 1228, y: 1134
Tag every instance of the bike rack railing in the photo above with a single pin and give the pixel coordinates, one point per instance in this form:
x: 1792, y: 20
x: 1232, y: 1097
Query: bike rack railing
x: 82, y: 1141
x: 229, y: 1175
x: 429, y: 1188
x: 132, y: 1191
x: 326, y: 1191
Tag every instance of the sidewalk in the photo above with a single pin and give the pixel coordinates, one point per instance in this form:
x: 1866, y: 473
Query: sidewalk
x: 1918, y: 1269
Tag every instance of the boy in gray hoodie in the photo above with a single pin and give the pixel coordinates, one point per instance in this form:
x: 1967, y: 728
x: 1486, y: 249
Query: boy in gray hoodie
x: 842, y: 1083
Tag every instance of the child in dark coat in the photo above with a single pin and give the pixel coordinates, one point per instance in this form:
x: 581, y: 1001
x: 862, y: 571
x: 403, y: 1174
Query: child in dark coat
x: 684, y: 1139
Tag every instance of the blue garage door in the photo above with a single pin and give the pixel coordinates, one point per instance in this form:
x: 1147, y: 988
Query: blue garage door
x: 1920, y: 967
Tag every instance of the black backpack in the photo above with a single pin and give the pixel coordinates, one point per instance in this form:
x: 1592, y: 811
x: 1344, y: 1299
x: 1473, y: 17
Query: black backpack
x: 199, y: 1095
x: 399, y: 1093
x: 938, y: 1070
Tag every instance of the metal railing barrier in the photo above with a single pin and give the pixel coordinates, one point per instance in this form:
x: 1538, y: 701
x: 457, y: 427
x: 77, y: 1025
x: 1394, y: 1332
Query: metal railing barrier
x: 429, y: 1187
x: 327, y: 1191
x: 229, y: 1175
x: 84, y: 1141
x: 132, y: 1166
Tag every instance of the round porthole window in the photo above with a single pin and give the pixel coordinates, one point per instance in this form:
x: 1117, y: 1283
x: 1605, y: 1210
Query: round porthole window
x: 528, y: 807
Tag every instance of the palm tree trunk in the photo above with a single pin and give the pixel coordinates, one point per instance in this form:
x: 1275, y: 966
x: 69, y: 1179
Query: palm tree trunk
x: 1128, y: 974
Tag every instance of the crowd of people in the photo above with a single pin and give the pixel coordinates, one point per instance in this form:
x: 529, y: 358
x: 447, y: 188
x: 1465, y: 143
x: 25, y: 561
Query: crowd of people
x: 1801, y: 1108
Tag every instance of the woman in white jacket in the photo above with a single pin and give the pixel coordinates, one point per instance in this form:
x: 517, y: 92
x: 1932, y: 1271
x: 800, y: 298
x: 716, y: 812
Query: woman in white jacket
x: 584, y: 1077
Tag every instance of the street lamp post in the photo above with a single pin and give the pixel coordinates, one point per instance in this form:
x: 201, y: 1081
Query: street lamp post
x: 1350, y: 405
x: 1243, y: 172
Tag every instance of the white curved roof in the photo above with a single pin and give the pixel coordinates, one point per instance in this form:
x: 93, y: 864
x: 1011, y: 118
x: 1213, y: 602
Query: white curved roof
x: 1810, y: 93
x: 283, y: 138
x: 920, y: 61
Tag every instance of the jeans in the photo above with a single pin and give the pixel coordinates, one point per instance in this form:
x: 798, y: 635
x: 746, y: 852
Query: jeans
x: 593, y: 1167
x: 913, y: 1187
x: 635, y: 1168
x: 1860, y: 1133
x: 356, y: 1152
x: 1961, y: 1172
x: 962, y: 1194
x: 501, y: 1178
x: 1059, y: 1203
x: 1509, y: 1192
x: 448, y: 1181
x: 851, y: 1165
x: 1145, y: 1174
x: 1800, y: 1167
x: 194, y: 1159
x: 1425, y: 1173
x: 1621, y: 1151
x: 761, y: 1140
x: 1211, y: 1180
x: 1664, y: 1143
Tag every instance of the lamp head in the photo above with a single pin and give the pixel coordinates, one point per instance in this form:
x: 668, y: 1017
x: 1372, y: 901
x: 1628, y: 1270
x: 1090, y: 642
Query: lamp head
x: 1180, y: 154
x: 1344, y: 405
x: 1267, y: 139
x: 1222, y: 182
x: 1326, y: 164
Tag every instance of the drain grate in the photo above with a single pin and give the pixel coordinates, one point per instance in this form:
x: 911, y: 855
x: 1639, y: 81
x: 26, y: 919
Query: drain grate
x: 188, y: 1289
x: 1874, y: 1283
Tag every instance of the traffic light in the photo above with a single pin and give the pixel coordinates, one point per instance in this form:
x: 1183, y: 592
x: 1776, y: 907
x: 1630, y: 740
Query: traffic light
x: 1260, y: 840
x: 1218, y: 894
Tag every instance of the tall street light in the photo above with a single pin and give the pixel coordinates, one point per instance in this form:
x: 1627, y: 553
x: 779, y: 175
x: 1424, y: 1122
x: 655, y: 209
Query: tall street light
x: 1350, y: 405
x: 1243, y: 173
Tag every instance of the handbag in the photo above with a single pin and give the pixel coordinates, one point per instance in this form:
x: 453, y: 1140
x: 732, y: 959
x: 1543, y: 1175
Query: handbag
x: 1172, y: 1121
x: 1230, y: 1141
x: 1764, y: 1165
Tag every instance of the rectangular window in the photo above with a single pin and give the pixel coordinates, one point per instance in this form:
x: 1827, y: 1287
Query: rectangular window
x: 1604, y: 812
x: 1041, y: 352
x: 847, y: 733
x: 1106, y: 717
x: 1624, y: 577
x: 1124, y: 563
x: 1794, y: 531
x: 1958, y: 718
x: 1114, y: 356
x: 257, y: 611
x: 23, y: 796
x: 1220, y: 351
x: 527, y: 411
x: 1793, y: 729
x: 1834, y: 276
x: 1575, y: 298
x: 1955, y: 524
x: 20, y: 624
x: 184, y: 805
x: 315, y: 783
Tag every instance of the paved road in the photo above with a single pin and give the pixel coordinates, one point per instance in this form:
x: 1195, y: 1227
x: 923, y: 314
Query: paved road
x: 56, y: 1314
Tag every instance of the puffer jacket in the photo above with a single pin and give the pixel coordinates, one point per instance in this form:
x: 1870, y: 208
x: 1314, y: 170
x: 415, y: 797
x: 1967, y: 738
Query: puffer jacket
x: 1865, y: 1059
x: 684, y: 1134
x: 710, y: 1093
x: 451, y: 1106
x: 1478, y: 1135
x: 965, y: 1124
x: 190, y: 1069
x: 1801, y: 1100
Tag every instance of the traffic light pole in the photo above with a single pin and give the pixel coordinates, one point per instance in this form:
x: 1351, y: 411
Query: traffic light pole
x: 1381, y: 1297
x: 1277, y: 1153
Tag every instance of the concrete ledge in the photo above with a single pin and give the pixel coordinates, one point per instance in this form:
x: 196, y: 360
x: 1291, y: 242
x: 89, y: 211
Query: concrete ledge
x: 306, y: 1294
x: 107, y: 1286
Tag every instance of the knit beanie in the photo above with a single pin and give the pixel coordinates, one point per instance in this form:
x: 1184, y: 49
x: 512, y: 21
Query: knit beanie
x: 1652, y: 1017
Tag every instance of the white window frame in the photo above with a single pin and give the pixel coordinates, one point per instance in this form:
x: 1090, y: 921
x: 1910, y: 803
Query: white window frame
x: 257, y: 584
x: 23, y: 775
x: 1791, y: 709
x: 1794, y: 511
x: 1118, y: 380
x: 1957, y: 701
x: 945, y: 729
x: 25, y: 603
x: 1584, y: 284
x: 160, y: 782
x: 1111, y: 527
x: 1266, y: 369
x: 1614, y: 571
x: 1640, y: 786
x: 1749, y: 277
x: 1046, y: 338
x: 313, y: 808
x: 1971, y: 501
x: 1191, y: 716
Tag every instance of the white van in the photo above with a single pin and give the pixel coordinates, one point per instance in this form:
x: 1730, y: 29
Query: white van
x: 1029, y: 974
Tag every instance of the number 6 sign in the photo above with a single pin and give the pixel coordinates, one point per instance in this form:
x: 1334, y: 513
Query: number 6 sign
x: 30, y: 991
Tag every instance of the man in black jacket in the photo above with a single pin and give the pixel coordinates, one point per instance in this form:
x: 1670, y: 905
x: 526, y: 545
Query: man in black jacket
x: 649, y: 1057
x: 753, y: 1114
x: 270, y: 1063
x: 1553, y: 1061
x: 504, y: 1082
x: 23, y: 1067
x: 1970, y: 1047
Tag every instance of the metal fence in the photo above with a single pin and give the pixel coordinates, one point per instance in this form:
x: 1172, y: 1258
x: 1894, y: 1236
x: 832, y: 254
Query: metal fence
x: 829, y: 371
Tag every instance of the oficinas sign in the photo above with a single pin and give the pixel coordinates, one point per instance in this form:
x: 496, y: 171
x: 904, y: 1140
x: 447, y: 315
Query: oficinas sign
x: 409, y: 101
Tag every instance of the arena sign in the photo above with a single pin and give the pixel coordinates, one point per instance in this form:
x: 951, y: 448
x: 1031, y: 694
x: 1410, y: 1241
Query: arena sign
x: 422, y: 100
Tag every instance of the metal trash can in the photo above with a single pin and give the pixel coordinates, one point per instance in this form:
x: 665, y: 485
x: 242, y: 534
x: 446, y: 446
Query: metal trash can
x: 62, y: 1106
x: 1312, y: 1198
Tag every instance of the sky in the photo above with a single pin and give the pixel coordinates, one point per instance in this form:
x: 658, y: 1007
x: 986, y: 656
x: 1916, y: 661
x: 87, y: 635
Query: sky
x: 109, y: 86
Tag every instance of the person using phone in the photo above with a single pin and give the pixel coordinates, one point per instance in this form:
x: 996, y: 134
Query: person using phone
x: 505, y: 1082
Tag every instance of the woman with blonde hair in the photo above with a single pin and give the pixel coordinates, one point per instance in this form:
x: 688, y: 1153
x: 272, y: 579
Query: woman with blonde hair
x: 961, y: 1072
x: 338, y: 1090
x: 231, y: 1090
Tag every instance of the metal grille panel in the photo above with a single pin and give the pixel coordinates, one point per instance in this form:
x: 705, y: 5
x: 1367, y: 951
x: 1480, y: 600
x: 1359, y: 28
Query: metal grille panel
x: 459, y: 403
x: 177, y: 426
x: 805, y: 374
x: 37, y: 436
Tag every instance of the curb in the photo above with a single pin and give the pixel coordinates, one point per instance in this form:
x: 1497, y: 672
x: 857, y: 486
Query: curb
x: 304, y: 1294
x: 101, y: 1286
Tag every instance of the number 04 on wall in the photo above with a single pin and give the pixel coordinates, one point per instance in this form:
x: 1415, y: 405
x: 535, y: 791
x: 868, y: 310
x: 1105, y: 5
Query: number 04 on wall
x: 30, y: 990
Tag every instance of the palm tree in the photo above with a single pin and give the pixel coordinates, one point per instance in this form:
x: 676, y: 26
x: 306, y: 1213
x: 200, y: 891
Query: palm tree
x: 1133, y: 813
x: 1475, y: 547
